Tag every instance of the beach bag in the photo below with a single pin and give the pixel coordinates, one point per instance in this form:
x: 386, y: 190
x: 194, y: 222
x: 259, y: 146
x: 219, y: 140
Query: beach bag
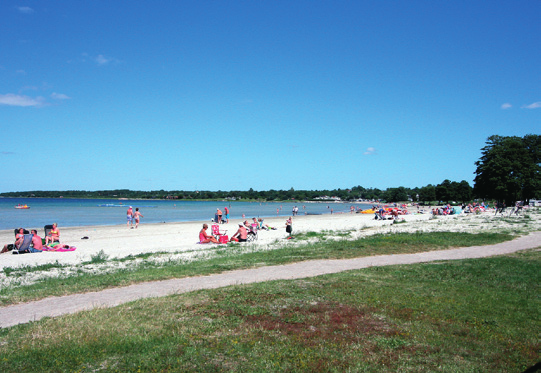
x: 224, y: 239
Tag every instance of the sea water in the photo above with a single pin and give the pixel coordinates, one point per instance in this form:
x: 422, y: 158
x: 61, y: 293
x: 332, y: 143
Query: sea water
x: 67, y: 212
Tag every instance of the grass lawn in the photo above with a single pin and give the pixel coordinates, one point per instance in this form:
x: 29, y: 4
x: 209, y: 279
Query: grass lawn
x: 477, y: 315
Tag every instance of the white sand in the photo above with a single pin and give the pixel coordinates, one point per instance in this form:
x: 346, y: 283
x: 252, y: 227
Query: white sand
x: 120, y: 241
x: 179, y: 240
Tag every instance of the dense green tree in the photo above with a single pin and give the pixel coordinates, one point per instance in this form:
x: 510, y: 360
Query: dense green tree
x: 463, y: 192
x: 509, y: 168
x: 444, y: 191
x: 427, y: 194
x: 399, y: 194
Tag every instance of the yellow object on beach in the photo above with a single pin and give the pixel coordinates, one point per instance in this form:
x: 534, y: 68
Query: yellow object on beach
x: 368, y: 211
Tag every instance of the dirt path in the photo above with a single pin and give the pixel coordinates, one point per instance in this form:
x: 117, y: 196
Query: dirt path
x: 56, y: 306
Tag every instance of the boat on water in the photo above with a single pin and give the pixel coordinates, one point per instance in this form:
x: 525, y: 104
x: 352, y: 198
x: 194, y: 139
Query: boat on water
x: 22, y: 207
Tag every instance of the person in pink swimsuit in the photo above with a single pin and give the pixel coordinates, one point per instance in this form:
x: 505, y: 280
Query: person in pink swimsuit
x: 204, y: 237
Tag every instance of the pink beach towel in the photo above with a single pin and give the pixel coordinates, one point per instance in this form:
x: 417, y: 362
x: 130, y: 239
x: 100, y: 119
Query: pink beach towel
x: 59, y: 248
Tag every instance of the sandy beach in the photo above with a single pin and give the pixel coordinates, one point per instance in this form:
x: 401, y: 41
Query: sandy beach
x: 169, y: 239
x: 120, y: 241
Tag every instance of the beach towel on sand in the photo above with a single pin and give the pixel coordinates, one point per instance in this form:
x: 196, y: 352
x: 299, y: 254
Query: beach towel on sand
x: 59, y: 247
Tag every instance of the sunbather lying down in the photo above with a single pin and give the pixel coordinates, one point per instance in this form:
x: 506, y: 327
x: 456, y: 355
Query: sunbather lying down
x: 264, y: 226
x: 57, y: 246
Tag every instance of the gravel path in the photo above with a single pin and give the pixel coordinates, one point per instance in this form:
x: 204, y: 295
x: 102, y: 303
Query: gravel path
x: 56, y: 306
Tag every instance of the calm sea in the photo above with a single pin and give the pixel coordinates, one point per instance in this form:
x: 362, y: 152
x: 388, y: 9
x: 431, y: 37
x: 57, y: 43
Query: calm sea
x: 87, y: 212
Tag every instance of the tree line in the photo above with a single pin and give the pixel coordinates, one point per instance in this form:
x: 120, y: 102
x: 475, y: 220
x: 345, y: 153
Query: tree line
x: 447, y: 191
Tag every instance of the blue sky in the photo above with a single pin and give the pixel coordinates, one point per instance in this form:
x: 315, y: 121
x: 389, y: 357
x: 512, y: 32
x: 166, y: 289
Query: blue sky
x: 232, y: 95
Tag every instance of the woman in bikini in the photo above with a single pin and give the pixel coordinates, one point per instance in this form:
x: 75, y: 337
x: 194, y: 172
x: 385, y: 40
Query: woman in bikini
x: 53, y: 236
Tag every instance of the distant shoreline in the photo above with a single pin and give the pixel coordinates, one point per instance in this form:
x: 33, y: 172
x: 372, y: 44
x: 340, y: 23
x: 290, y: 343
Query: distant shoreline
x: 197, y: 200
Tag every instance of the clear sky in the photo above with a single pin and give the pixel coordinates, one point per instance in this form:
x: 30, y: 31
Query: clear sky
x: 233, y: 95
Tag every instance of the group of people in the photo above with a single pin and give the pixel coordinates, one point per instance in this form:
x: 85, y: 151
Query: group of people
x: 134, y: 216
x: 245, y: 228
x: 51, y: 239
x: 220, y: 218
x: 388, y: 213
x: 444, y: 210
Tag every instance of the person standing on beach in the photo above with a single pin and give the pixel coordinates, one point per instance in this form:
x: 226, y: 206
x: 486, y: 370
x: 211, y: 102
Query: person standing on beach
x: 137, y: 215
x: 219, y: 213
x: 130, y: 217
x: 226, y: 214
x: 289, y: 226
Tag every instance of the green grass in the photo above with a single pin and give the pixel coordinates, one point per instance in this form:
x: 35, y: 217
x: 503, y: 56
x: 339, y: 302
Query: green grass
x: 227, y: 259
x: 477, y: 315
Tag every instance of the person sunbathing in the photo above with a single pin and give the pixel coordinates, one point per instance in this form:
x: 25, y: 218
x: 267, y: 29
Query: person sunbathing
x: 265, y: 226
x: 204, y: 237
x: 53, y: 236
x: 19, y: 238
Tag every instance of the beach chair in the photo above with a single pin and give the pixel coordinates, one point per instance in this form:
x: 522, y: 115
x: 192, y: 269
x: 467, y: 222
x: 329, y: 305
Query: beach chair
x: 24, y: 246
x: 48, y: 228
x: 252, y: 233
x: 16, y: 231
x: 216, y: 231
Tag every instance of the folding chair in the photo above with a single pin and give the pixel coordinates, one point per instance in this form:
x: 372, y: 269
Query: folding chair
x: 24, y: 231
x: 48, y: 228
x: 252, y: 233
x: 216, y: 231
